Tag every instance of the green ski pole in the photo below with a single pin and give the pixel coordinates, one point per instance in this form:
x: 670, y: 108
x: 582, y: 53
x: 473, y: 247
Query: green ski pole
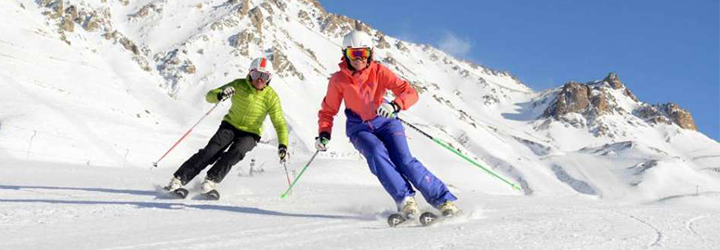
x: 443, y: 144
x: 284, y: 195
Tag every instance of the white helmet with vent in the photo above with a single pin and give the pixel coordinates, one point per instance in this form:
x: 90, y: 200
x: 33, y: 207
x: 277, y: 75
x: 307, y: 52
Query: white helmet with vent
x: 261, y: 64
x: 357, y: 39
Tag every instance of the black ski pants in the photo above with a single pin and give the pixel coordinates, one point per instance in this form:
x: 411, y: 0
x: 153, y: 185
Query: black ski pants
x: 226, y: 148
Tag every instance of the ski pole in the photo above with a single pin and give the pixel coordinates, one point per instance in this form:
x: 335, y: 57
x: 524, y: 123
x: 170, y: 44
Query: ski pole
x: 284, y: 195
x: 186, y: 134
x: 445, y: 145
x: 286, y: 172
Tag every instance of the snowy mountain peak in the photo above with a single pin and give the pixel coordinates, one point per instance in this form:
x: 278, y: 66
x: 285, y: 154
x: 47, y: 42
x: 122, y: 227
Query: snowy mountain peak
x: 584, y: 105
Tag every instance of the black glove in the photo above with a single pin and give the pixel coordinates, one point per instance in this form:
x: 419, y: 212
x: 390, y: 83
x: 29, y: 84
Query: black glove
x: 226, y: 93
x: 283, y: 153
x: 321, y: 141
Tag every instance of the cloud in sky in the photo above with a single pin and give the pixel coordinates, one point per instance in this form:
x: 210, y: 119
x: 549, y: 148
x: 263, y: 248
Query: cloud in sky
x: 454, y: 45
x: 406, y: 32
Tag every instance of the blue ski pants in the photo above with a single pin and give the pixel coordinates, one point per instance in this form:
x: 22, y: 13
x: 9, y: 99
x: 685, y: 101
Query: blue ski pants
x: 383, y: 143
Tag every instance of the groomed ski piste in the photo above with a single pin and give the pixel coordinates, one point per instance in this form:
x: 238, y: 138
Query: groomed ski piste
x: 337, y: 205
x: 81, y: 125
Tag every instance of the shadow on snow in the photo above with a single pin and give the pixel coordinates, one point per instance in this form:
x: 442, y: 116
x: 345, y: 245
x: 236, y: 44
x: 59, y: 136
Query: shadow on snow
x: 103, y: 190
x: 160, y: 205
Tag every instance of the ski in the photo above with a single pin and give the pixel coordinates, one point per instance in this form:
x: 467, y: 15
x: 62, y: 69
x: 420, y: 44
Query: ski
x: 212, y: 195
x: 428, y: 218
x: 396, y: 219
x: 180, y: 193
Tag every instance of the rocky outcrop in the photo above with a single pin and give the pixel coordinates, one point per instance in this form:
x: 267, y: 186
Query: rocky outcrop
x: 584, y: 105
x: 68, y: 17
x: 614, y: 81
x: 241, y: 41
x: 401, y: 46
x: 93, y: 21
x: 382, y: 42
x: 573, y: 98
x: 174, y: 67
x: 56, y: 7
x: 243, y: 9
x: 337, y: 25
x: 67, y: 24
x: 651, y: 114
x: 129, y: 45
x: 284, y: 67
x: 667, y: 113
x: 256, y: 17
x: 679, y: 116
x: 146, y: 10
x: 593, y: 100
x: 268, y: 8
x: 280, y: 4
x: 304, y: 18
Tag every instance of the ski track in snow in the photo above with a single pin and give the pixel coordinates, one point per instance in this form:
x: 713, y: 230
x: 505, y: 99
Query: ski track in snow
x: 690, y: 226
x: 657, y: 231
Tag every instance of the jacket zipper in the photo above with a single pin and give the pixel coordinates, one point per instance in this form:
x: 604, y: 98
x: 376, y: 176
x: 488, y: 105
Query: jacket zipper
x: 250, y: 106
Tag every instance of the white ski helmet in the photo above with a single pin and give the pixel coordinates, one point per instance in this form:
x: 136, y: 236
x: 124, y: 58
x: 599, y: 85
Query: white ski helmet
x: 357, y: 39
x: 261, y: 64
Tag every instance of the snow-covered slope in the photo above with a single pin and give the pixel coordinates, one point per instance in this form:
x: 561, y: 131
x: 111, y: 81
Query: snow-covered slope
x: 70, y: 206
x: 94, y: 92
x: 113, y: 84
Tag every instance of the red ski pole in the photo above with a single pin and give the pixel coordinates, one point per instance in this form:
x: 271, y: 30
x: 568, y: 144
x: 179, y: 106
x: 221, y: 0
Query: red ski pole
x: 185, y: 135
x: 286, y: 173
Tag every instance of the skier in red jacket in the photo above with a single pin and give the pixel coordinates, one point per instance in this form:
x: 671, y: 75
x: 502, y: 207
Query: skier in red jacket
x: 372, y: 128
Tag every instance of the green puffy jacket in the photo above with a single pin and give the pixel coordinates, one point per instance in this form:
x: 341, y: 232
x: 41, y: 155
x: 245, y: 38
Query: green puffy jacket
x: 250, y: 107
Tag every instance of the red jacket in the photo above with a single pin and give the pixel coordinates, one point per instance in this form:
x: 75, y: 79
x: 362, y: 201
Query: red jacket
x: 363, y: 92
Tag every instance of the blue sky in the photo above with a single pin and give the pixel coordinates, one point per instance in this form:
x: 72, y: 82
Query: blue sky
x: 662, y: 50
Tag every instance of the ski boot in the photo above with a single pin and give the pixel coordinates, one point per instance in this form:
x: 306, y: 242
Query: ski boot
x: 210, y: 189
x: 176, y: 187
x: 448, y: 209
x: 409, y: 208
x: 175, y: 183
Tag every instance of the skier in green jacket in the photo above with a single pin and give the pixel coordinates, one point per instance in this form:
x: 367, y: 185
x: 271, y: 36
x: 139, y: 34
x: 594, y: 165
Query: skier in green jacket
x: 252, y: 100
